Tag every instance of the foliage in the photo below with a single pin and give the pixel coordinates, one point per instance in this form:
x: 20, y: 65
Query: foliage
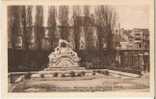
x: 77, y: 26
x: 55, y: 74
x: 28, y: 75
x: 63, y: 20
x: 106, y: 21
x: 42, y: 75
x: 72, y: 74
x: 52, y: 27
x: 27, y: 21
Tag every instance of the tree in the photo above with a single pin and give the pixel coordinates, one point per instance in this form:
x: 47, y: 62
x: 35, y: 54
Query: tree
x: 13, y: 24
x: 39, y: 30
x: 63, y: 19
x: 88, y: 28
x: 29, y: 26
x: 23, y: 32
x: 52, y: 26
x: 106, y: 20
x: 77, y: 26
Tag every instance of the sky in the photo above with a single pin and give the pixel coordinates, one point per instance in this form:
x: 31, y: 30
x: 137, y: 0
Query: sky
x: 129, y: 16
x: 133, y: 16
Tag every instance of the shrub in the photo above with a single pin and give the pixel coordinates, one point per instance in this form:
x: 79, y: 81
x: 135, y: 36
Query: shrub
x: 28, y: 75
x: 42, y: 75
x: 55, y: 74
x: 79, y: 74
x: 94, y: 73
x: 72, y: 73
x: 12, y: 79
x: 63, y: 75
x: 89, y: 65
x: 82, y: 73
x: 106, y: 72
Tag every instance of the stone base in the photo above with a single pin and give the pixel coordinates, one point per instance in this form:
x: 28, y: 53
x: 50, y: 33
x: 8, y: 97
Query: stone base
x: 55, y: 72
x: 63, y: 73
x: 64, y: 68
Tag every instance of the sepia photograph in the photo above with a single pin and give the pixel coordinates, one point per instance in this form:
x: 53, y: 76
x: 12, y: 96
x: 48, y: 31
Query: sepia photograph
x: 78, y: 48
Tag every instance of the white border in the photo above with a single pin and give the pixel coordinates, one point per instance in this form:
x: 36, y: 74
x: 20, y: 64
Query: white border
x: 74, y: 2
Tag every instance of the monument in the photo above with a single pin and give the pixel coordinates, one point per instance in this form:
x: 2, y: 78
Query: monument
x: 64, y: 61
x: 63, y: 58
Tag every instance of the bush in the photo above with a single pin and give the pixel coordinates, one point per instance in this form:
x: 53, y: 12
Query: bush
x: 79, y: 74
x: 72, y: 73
x: 63, y: 75
x: 55, y: 74
x: 82, y: 73
x: 88, y: 65
x: 94, y: 73
x: 97, y: 71
x: 28, y: 75
x: 106, y: 72
x: 42, y: 75
x: 12, y: 79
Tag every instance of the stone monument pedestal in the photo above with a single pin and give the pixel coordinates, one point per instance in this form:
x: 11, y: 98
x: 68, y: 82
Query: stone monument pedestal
x: 63, y: 62
x: 63, y: 58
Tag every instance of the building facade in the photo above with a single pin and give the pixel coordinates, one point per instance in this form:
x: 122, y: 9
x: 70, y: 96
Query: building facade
x: 135, y: 39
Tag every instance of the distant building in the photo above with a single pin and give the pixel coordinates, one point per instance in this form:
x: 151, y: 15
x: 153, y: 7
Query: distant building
x: 126, y: 45
x: 141, y: 38
x: 125, y: 34
x: 135, y: 39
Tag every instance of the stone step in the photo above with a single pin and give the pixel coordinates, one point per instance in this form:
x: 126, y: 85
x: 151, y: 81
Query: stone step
x: 66, y: 73
x: 63, y: 68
